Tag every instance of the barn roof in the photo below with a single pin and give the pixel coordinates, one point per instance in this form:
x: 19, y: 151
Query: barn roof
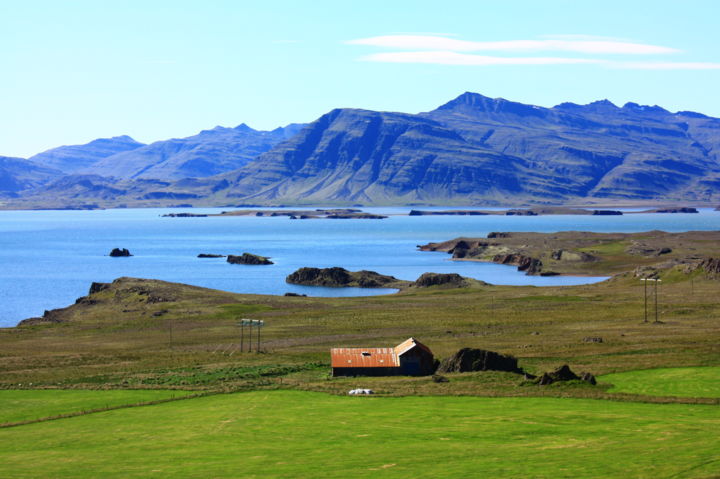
x: 408, y: 344
x: 374, y: 357
x: 364, y: 358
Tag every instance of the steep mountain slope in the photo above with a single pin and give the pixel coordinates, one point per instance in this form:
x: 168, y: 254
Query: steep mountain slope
x: 70, y: 159
x: 208, y: 153
x: 597, y: 150
x: 367, y: 156
x: 18, y: 174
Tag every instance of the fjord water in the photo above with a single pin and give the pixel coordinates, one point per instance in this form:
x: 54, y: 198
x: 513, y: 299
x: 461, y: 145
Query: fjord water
x: 49, y: 258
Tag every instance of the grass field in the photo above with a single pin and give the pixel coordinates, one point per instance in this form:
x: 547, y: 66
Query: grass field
x: 279, y: 414
x: 679, y: 382
x: 302, y: 434
x: 28, y: 405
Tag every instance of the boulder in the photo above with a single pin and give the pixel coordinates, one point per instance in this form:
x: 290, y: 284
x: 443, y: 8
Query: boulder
x: 208, y: 255
x: 119, y: 252
x: 296, y: 295
x: 470, y: 359
x: 248, y: 258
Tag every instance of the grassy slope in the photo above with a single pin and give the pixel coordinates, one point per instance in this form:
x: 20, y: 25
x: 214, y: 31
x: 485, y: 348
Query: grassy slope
x: 156, y: 334
x: 301, y: 434
x: 28, y: 405
x: 679, y: 382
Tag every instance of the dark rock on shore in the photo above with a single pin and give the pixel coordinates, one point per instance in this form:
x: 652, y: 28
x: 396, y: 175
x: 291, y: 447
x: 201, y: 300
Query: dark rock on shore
x: 531, y: 266
x: 119, y: 252
x: 607, y: 213
x: 440, y: 279
x: 470, y: 359
x: 450, y: 212
x: 672, y: 210
x: 209, y: 255
x: 184, y: 215
x: 296, y: 295
x: 355, y: 216
x: 520, y: 213
x: 97, y: 287
x: 496, y: 234
x: 340, y: 277
x: 248, y: 258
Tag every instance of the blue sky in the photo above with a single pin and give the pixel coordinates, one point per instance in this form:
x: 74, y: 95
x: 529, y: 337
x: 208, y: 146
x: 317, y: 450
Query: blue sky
x: 73, y: 70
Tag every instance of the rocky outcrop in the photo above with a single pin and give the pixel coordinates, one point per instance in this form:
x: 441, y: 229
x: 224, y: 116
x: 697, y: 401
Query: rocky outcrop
x: 97, y: 287
x: 340, y: 277
x: 520, y: 213
x: 184, y: 215
x: 711, y: 266
x: 448, y: 213
x: 531, y: 266
x: 119, y: 253
x: 641, y: 249
x: 496, y: 234
x: 470, y: 359
x: 452, y: 280
x: 248, y: 258
x: 565, y: 255
x: 209, y: 255
x: 564, y: 373
x: 607, y: 213
x: 672, y: 210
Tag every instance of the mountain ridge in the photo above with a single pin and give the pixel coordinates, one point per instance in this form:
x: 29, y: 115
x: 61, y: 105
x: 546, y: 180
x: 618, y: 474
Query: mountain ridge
x: 471, y: 150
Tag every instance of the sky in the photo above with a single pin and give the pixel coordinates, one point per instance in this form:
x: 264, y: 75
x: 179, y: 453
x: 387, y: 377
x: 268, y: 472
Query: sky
x: 72, y: 71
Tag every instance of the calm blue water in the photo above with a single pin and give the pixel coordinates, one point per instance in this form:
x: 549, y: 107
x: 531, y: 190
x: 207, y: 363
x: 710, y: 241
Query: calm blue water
x: 49, y: 258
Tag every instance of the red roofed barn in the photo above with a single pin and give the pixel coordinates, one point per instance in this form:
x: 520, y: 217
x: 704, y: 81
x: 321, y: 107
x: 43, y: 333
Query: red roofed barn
x: 409, y: 358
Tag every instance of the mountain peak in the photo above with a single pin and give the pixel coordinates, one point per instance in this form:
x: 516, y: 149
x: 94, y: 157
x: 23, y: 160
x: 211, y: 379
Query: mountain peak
x: 244, y: 127
x: 603, y: 103
x: 644, y: 108
x: 474, y: 103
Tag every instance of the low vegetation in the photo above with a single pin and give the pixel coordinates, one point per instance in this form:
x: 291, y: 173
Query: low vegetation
x: 132, y: 356
x: 293, y: 433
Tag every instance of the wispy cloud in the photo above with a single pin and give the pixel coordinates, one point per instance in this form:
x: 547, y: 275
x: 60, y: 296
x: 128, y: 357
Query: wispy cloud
x: 582, y: 49
x: 455, y: 58
x: 593, y: 46
x: 666, y: 65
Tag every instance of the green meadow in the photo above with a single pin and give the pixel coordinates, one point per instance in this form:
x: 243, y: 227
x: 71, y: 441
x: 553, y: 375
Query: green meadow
x: 678, y: 382
x: 30, y: 405
x: 304, y: 434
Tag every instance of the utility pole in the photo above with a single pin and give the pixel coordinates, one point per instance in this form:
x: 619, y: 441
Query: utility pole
x: 656, y: 300
x: 656, y: 281
x: 242, y: 335
x: 250, y: 323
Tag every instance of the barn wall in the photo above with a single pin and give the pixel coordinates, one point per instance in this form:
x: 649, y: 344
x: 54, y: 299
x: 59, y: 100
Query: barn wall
x: 417, y: 362
x: 366, y: 372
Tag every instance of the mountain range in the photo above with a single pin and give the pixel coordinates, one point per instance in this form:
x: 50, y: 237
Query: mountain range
x: 471, y: 150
